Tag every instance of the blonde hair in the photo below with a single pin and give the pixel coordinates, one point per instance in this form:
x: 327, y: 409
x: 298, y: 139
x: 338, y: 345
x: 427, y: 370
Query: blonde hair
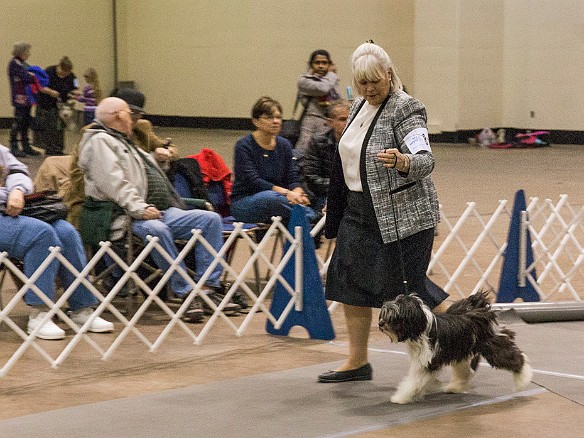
x: 370, y: 63
x: 91, y: 78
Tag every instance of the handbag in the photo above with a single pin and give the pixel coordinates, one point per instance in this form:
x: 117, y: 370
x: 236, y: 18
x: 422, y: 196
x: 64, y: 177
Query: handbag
x: 291, y: 128
x: 44, y: 206
x: 96, y: 220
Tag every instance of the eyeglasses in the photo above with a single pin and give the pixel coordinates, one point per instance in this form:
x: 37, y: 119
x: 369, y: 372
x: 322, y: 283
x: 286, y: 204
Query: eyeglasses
x: 122, y: 111
x: 266, y: 117
x: 137, y: 114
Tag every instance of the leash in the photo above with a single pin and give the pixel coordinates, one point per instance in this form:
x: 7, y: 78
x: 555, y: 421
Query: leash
x: 399, y: 243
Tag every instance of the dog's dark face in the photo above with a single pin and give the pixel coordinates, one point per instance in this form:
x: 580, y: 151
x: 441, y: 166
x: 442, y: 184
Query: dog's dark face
x: 404, y: 318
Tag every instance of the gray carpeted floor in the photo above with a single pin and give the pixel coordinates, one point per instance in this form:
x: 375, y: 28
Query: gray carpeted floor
x: 291, y: 404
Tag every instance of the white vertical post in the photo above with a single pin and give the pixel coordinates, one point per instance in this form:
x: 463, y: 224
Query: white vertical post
x: 299, y: 268
x: 522, y: 265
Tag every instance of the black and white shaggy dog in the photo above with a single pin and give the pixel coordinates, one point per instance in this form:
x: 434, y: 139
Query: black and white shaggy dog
x: 458, y: 337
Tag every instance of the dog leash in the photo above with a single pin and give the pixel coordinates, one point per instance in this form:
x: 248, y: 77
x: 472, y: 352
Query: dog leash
x: 399, y: 245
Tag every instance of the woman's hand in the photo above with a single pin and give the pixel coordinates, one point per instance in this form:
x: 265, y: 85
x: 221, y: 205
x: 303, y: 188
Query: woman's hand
x: 393, y: 158
x: 15, y: 202
x: 297, y: 196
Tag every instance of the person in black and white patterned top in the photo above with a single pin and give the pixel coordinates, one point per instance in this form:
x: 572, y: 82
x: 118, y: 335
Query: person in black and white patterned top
x: 382, y: 206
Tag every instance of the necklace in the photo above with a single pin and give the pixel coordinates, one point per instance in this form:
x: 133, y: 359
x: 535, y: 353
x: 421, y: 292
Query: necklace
x: 266, y: 148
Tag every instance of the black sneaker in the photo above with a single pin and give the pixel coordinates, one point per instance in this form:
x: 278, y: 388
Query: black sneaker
x: 240, y: 299
x: 217, y: 297
x: 194, y: 312
x: 18, y: 153
x: 107, y: 284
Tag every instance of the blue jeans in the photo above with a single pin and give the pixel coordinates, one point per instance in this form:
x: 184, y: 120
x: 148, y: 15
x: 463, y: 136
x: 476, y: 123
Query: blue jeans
x: 177, y: 224
x: 261, y: 206
x: 29, y: 240
x: 319, y: 203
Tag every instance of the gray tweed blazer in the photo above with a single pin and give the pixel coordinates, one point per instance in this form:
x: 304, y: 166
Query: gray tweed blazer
x: 413, y: 194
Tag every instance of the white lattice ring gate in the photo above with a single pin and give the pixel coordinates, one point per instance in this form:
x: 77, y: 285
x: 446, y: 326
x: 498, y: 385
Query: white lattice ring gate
x: 467, y: 257
x: 130, y: 272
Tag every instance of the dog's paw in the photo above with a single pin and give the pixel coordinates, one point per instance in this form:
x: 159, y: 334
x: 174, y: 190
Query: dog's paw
x: 402, y: 399
x: 434, y: 386
x: 455, y: 388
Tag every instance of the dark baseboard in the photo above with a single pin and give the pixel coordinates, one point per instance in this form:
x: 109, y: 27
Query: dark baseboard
x: 241, y: 124
x: 554, y: 137
x: 234, y: 123
x: 5, y: 123
x: 244, y: 124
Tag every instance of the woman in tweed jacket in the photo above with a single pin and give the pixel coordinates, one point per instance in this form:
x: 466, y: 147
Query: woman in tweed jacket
x: 382, y: 206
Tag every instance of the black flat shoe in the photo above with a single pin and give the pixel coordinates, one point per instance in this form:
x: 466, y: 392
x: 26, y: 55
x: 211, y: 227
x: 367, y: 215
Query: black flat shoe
x: 362, y: 373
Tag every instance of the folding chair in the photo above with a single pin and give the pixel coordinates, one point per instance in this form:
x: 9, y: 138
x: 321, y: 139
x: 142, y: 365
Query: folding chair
x: 188, y: 181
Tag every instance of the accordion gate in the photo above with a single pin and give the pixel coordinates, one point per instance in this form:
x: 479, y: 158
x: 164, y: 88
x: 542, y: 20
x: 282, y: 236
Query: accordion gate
x: 468, y: 257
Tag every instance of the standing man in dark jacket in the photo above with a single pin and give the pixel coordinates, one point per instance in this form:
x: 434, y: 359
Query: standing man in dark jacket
x: 19, y: 77
x: 320, y: 153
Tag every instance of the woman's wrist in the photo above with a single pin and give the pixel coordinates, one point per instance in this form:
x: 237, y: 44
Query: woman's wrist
x: 406, y: 165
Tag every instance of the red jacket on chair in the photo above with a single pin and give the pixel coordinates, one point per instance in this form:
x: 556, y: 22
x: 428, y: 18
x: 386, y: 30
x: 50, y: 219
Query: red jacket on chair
x: 214, y: 169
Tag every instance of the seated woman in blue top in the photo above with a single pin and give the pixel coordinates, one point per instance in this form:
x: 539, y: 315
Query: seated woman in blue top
x: 267, y: 181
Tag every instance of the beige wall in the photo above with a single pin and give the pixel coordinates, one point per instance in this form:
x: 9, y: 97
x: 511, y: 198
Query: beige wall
x: 80, y: 29
x: 474, y: 63
x: 216, y: 57
x: 544, y: 64
x: 492, y: 62
x: 458, y: 62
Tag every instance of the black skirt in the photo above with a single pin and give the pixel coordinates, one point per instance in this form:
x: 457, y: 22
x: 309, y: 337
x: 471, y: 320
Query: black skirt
x: 366, y: 272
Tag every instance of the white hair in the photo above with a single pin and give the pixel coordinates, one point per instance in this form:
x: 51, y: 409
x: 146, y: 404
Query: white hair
x: 370, y: 62
x: 20, y: 49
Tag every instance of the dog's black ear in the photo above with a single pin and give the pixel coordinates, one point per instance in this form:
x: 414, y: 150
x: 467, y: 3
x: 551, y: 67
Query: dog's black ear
x: 412, y: 320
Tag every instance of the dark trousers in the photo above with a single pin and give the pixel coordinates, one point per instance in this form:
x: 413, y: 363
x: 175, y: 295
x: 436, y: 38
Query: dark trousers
x: 51, y: 133
x: 20, y: 125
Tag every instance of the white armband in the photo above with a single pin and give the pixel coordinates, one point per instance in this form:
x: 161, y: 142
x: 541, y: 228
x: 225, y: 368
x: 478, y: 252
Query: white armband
x: 417, y: 140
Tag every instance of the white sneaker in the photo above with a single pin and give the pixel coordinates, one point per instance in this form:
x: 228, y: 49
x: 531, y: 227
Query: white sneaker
x: 98, y: 325
x: 49, y: 330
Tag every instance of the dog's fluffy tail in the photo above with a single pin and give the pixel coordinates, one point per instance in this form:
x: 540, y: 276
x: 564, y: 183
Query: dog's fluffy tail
x: 478, y: 301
